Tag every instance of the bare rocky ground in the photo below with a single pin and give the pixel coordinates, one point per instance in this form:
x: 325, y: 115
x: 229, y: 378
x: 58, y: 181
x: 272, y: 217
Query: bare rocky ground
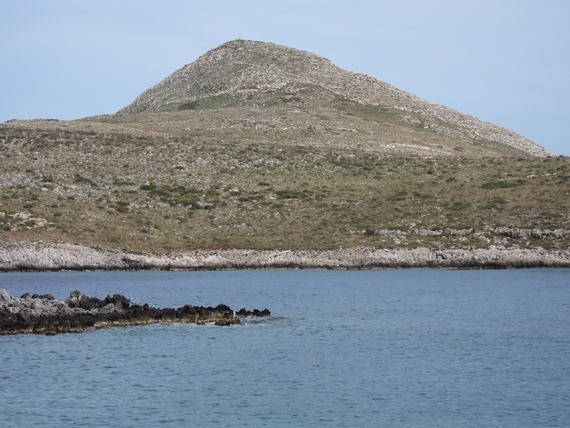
x: 35, y: 256
x: 249, y: 73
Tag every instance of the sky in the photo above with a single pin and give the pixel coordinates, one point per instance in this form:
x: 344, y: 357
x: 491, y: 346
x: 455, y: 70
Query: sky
x: 503, y: 61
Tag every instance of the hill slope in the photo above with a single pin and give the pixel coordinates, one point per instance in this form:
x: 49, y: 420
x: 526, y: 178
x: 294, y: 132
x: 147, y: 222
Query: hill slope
x: 246, y: 74
x: 260, y: 147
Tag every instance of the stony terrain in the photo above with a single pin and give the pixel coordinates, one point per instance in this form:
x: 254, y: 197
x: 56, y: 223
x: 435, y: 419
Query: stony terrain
x: 258, y: 147
x: 246, y: 73
x: 42, y: 256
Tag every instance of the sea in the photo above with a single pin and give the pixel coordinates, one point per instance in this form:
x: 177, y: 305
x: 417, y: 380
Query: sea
x: 374, y: 348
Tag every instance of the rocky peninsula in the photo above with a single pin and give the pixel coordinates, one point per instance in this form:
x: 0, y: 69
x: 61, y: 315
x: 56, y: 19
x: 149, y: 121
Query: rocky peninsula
x: 42, y: 256
x: 44, y: 314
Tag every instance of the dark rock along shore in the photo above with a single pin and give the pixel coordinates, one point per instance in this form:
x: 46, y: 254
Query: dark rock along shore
x: 44, y: 314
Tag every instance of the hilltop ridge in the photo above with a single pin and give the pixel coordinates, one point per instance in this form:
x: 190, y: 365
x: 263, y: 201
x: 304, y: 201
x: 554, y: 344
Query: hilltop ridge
x: 243, y: 73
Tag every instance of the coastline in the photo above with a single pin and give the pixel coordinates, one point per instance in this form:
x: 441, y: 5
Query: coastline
x: 43, y: 256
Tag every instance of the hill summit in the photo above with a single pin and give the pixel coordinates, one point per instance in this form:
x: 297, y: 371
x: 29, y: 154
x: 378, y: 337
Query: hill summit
x: 249, y: 74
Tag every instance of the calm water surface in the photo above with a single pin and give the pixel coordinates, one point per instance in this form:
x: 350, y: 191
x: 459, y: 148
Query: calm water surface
x: 394, y: 348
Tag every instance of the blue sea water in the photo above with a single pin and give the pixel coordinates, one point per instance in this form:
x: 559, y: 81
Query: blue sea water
x: 381, y: 348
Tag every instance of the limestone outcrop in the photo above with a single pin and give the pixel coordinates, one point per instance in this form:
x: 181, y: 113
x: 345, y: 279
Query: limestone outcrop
x: 52, y: 256
x: 45, y: 314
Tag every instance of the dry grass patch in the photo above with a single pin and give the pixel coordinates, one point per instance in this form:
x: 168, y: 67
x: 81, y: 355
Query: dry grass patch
x: 156, y: 193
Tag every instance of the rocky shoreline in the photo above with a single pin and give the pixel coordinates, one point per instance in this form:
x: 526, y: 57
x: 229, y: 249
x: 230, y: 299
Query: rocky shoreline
x: 43, y: 314
x: 36, y: 256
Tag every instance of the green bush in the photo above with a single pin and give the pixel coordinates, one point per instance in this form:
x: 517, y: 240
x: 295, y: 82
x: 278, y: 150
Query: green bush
x: 502, y: 184
x: 292, y: 194
x: 78, y: 178
x: 148, y: 187
x: 190, y: 105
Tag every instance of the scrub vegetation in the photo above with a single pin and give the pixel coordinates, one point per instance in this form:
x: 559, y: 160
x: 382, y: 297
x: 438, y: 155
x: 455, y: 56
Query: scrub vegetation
x: 259, y: 146
x: 160, y: 193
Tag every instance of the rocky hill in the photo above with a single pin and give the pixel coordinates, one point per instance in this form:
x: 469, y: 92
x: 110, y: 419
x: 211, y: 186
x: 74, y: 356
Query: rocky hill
x: 258, y: 155
x: 246, y: 73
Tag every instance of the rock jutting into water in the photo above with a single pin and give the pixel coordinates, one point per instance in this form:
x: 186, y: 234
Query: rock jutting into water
x: 45, y: 314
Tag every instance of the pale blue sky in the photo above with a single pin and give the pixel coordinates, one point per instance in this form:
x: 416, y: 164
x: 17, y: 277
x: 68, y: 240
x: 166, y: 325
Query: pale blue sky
x: 504, y: 61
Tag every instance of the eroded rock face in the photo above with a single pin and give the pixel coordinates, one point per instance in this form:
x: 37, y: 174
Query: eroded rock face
x: 51, y: 256
x: 47, y: 315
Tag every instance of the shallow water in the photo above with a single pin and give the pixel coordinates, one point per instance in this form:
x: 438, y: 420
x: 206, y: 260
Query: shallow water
x: 398, y: 348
